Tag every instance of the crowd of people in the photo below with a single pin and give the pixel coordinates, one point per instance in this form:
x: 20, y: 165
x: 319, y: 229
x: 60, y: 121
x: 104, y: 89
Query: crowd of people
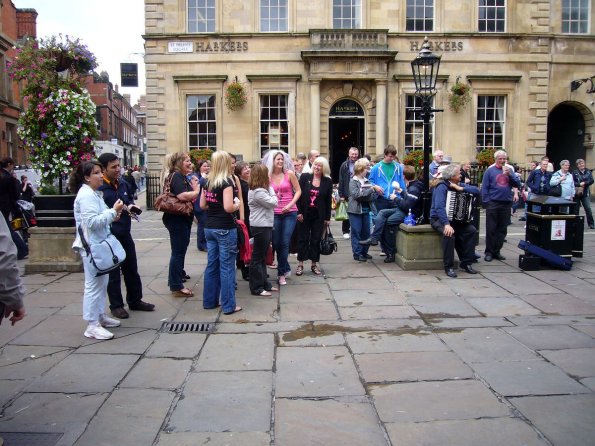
x: 283, y: 206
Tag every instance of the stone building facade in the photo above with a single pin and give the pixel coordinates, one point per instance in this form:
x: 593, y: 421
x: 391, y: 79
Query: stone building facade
x: 336, y: 73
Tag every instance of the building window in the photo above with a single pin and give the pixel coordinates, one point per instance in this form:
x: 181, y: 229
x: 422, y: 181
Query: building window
x: 347, y: 14
x: 491, y: 122
x: 492, y: 16
x: 575, y: 16
x: 414, y: 124
x: 201, y: 16
x: 420, y: 15
x: 202, y: 123
x: 274, y: 125
x: 273, y: 15
x: 11, y: 132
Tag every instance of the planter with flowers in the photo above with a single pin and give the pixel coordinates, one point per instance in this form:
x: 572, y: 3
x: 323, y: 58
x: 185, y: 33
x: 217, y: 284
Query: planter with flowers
x: 459, y: 96
x: 235, y: 95
x: 57, y: 127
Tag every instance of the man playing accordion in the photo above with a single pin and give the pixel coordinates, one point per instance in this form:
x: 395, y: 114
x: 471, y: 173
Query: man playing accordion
x: 450, y: 215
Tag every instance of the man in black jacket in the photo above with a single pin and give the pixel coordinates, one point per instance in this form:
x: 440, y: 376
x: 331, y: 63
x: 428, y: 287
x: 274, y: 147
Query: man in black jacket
x: 583, y: 177
x: 345, y: 174
x: 9, y: 194
x: 391, y: 217
x: 115, y: 188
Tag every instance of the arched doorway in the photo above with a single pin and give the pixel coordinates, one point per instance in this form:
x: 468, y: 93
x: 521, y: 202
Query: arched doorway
x: 346, y: 129
x: 565, y: 135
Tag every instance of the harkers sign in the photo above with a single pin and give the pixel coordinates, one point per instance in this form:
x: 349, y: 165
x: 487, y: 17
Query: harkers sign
x: 221, y: 46
x: 438, y: 45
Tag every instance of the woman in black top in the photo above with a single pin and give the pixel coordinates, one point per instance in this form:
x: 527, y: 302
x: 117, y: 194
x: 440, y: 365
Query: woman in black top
x: 314, y: 213
x: 179, y: 226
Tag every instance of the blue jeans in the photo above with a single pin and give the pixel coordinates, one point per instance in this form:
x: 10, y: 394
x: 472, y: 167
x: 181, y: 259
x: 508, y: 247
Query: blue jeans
x: 179, y: 238
x: 220, y: 273
x: 585, y: 200
x: 360, y: 230
x: 391, y: 216
x: 201, y: 240
x: 282, y: 231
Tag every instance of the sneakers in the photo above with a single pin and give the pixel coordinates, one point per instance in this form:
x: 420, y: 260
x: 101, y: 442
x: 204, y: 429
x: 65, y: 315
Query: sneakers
x: 96, y: 331
x: 108, y: 322
x: 282, y: 280
x: 346, y: 236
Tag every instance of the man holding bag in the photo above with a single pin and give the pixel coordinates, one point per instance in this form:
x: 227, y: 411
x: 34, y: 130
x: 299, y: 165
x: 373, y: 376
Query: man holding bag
x: 345, y: 175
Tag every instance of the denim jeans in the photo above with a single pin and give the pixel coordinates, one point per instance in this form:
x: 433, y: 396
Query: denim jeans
x: 95, y: 288
x: 201, y: 240
x: 282, y: 230
x: 391, y: 216
x: 220, y: 273
x: 360, y: 230
x: 585, y: 200
x: 179, y: 239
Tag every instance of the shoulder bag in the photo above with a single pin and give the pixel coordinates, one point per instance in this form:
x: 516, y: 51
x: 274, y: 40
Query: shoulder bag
x: 106, y: 255
x: 555, y: 191
x: 328, y: 245
x: 170, y: 204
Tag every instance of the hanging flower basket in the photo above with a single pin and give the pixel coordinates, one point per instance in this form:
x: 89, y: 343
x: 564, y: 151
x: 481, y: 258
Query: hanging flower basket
x: 235, y: 95
x: 459, y: 96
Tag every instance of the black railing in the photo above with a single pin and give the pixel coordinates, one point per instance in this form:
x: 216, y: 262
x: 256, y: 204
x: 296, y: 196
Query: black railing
x: 154, y: 188
x: 476, y: 173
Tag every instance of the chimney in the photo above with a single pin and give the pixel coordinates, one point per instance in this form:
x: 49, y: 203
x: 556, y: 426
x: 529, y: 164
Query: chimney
x: 26, y: 23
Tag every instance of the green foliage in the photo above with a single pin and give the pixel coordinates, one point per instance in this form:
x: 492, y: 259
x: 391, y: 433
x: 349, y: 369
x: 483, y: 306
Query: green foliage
x: 485, y: 158
x: 200, y: 154
x: 459, y: 96
x: 414, y: 158
x: 235, y: 95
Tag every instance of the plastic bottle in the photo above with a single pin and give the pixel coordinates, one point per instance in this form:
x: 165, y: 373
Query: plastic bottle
x: 410, y: 219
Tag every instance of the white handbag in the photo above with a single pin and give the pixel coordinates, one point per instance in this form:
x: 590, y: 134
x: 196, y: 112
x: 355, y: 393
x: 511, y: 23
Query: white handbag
x: 106, y: 255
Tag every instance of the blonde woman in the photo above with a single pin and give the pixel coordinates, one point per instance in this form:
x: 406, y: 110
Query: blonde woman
x: 314, y: 213
x: 217, y: 199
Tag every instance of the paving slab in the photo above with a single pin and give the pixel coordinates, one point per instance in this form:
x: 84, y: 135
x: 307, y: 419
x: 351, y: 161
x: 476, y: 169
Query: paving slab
x: 251, y: 351
x: 158, y: 373
x: 412, y: 366
x: 176, y: 345
x: 309, y: 311
x: 587, y: 329
x: 489, y: 432
x: 406, y: 340
x: 559, y: 304
x: 377, y: 311
x: 214, y: 439
x: 589, y: 382
x: 52, y: 412
x: 380, y: 283
x: 126, y: 340
x: 350, y: 269
x: 519, y: 283
x: 102, y: 373
x: 552, y: 320
x: 10, y: 389
x: 551, y: 337
x: 305, y: 293
x: 475, y: 345
x: 348, y: 298
x: 441, y: 306
x: 566, y: 420
x: 257, y: 327
x: 224, y: 402
x: 520, y: 378
x: 316, y: 372
x: 467, y: 322
x: 34, y: 317
x: 480, y: 287
x: 428, y: 401
x: 310, y: 338
x: 144, y: 409
x: 326, y: 422
x: 62, y: 330
x: 577, y: 362
x: 502, y: 306
x: 35, y: 365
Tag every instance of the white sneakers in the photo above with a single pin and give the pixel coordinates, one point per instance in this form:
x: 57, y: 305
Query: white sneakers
x: 96, y: 331
x: 346, y: 236
x: 108, y: 322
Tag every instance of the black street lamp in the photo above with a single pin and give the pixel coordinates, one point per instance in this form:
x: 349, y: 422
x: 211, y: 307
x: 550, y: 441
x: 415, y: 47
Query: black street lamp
x: 425, y: 73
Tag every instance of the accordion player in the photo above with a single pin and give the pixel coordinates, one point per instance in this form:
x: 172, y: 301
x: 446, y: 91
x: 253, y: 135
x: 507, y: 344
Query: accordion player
x: 459, y: 206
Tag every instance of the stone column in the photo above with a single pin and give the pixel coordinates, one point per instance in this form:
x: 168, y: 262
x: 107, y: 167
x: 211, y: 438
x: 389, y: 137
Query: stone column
x: 380, y: 115
x: 315, y: 114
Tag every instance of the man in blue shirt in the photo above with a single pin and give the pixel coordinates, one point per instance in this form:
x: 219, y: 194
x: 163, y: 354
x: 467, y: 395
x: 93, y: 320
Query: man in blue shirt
x: 497, y: 197
x: 384, y: 174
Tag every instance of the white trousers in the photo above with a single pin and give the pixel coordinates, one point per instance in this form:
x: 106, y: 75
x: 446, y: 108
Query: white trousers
x: 95, y: 297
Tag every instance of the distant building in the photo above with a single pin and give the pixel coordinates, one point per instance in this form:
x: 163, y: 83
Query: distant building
x: 336, y: 73
x: 15, y: 24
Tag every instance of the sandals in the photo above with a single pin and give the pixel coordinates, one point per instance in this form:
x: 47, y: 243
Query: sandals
x: 184, y: 292
x: 237, y: 308
x: 299, y: 270
x: 316, y: 270
x: 264, y: 293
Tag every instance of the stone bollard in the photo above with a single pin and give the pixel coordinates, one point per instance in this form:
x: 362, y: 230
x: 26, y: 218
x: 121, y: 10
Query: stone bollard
x: 418, y: 248
x: 50, y: 250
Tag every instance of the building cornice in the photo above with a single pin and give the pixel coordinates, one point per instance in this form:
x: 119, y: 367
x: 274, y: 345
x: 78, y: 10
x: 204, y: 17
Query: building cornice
x: 285, y: 77
x: 494, y: 77
x: 203, y: 78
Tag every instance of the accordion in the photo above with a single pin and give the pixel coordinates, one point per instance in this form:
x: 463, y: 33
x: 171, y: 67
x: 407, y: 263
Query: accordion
x: 459, y: 206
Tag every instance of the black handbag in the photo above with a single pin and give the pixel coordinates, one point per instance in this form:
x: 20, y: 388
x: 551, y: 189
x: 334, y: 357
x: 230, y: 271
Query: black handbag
x: 328, y: 245
x: 555, y: 191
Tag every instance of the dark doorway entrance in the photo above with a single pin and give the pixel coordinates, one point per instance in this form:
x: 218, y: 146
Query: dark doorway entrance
x: 346, y: 129
x: 565, y: 135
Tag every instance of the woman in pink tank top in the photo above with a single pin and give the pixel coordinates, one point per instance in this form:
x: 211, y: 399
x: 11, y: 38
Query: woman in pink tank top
x: 286, y: 187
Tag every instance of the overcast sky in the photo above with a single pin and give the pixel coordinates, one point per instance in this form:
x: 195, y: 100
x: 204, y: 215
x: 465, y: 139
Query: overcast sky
x: 112, y: 29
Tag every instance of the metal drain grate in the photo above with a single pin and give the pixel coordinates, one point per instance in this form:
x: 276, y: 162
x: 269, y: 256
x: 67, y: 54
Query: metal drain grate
x: 185, y: 327
x: 30, y: 438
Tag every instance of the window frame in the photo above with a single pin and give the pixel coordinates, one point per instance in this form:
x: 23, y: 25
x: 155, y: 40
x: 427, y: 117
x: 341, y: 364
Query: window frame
x: 358, y: 21
x: 502, y: 122
x: 579, y: 21
x: 415, y: 6
x: 495, y: 20
x: 287, y: 133
x: 417, y: 121
x: 198, y: 133
x: 278, y: 18
x: 210, y: 23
